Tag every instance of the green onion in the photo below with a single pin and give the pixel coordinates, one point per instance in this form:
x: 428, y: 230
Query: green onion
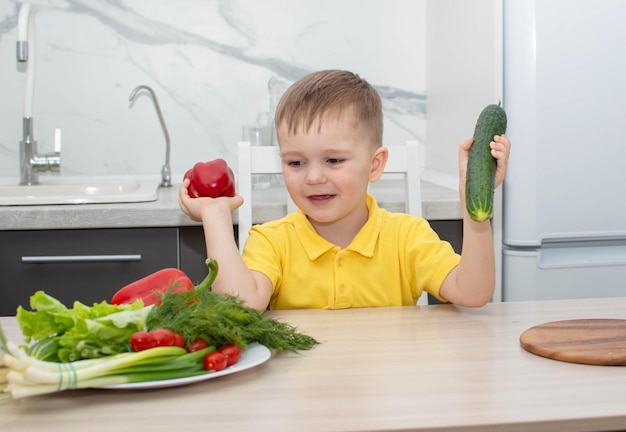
x: 29, y: 377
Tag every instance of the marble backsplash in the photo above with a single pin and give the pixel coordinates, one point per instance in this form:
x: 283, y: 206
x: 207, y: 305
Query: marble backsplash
x: 209, y: 63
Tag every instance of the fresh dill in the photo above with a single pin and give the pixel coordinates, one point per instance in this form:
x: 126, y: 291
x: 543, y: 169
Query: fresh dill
x: 220, y: 319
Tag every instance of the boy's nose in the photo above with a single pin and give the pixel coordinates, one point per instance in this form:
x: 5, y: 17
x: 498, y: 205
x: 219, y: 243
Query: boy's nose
x: 314, y: 174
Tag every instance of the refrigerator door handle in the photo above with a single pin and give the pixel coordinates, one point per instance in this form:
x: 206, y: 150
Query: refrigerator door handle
x: 582, y: 254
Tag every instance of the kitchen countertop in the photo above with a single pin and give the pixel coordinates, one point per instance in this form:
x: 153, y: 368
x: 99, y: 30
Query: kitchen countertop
x: 438, y: 203
x: 412, y: 368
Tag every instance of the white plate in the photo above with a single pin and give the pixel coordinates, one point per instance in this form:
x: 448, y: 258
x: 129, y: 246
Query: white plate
x: 254, y: 355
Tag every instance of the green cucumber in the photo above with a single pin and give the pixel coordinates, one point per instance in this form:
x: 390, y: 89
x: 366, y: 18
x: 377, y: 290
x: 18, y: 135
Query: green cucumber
x: 481, y: 166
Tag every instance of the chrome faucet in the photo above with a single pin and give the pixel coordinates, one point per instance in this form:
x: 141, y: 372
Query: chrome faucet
x: 166, y: 172
x: 32, y: 163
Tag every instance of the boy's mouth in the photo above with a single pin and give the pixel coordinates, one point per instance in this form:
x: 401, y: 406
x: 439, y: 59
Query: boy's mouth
x: 320, y: 197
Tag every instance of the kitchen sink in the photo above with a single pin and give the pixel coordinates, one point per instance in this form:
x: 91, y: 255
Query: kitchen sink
x: 80, y: 190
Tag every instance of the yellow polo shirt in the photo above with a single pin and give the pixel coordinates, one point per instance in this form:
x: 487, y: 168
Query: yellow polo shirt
x: 390, y: 262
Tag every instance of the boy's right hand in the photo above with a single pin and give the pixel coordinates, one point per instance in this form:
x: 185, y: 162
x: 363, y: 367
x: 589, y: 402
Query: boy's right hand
x: 196, y: 207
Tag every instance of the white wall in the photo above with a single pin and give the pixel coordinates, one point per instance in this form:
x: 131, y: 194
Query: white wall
x: 209, y: 63
x: 464, y: 74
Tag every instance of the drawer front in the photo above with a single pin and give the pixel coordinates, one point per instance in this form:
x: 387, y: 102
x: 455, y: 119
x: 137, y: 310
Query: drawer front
x: 84, y: 265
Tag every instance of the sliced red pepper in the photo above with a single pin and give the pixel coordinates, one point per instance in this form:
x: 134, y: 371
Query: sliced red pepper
x: 150, y: 288
x: 211, y: 179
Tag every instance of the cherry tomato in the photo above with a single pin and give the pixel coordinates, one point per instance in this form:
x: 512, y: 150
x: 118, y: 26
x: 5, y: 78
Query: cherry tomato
x: 215, y: 361
x: 179, y: 340
x: 197, y: 345
x: 232, y: 353
x: 142, y: 340
x: 164, y: 337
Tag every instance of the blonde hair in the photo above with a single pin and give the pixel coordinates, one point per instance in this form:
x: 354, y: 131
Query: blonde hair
x: 330, y: 91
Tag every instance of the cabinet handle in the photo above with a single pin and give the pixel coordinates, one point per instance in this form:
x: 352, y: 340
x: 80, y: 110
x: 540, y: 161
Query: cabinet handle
x: 45, y: 259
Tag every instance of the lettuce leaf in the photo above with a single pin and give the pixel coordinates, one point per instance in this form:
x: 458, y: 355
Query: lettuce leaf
x: 82, y: 331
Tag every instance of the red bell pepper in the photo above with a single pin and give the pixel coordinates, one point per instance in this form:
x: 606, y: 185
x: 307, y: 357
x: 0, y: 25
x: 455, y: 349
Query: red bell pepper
x: 211, y: 179
x: 150, y: 288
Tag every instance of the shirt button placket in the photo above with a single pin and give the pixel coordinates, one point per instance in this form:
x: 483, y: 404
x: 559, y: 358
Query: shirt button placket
x: 340, y: 290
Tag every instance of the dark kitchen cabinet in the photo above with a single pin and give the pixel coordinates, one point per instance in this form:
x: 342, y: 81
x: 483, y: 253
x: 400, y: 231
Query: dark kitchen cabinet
x: 193, y: 252
x: 452, y: 232
x: 87, y: 265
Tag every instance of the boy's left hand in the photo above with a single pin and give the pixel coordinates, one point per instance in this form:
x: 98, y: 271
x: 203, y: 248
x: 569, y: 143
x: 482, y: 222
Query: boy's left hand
x: 500, y: 150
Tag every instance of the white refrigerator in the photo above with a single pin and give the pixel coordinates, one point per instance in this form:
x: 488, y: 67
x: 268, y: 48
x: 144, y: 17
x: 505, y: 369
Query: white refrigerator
x: 564, y: 198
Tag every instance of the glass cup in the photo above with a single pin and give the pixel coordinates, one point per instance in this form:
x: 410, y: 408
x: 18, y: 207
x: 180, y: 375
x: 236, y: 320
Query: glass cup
x: 254, y: 135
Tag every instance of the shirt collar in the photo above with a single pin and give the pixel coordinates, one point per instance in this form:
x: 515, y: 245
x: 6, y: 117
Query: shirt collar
x: 364, y: 242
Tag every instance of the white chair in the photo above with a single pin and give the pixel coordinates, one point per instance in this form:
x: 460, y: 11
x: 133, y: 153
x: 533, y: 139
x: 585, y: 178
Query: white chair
x: 254, y: 160
x: 405, y: 160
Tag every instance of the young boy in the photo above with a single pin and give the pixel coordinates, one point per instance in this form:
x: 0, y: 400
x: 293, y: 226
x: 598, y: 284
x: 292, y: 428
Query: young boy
x: 339, y: 249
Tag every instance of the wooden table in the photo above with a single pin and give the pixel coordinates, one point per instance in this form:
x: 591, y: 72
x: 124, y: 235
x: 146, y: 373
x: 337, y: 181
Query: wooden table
x: 405, y: 368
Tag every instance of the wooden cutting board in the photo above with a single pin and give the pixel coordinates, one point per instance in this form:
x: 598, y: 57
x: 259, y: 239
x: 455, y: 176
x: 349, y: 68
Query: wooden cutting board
x: 587, y: 341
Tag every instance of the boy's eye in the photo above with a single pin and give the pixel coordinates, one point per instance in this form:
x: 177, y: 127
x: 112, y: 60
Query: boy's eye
x: 334, y: 161
x: 295, y: 163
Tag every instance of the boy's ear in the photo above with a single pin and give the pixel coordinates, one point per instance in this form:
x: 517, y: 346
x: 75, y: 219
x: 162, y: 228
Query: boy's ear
x: 379, y: 160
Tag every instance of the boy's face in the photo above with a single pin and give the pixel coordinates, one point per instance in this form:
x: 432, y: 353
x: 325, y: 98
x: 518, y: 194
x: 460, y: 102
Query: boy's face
x: 327, y: 170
